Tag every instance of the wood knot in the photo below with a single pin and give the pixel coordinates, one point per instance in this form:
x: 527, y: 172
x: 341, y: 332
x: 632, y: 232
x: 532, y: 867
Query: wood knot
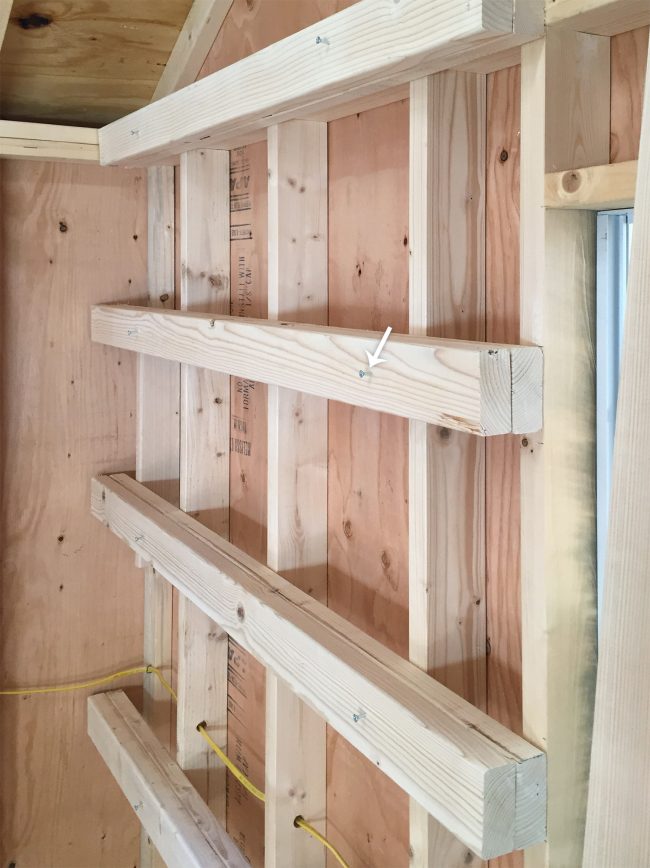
x: 571, y: 182
x: 347, y: 528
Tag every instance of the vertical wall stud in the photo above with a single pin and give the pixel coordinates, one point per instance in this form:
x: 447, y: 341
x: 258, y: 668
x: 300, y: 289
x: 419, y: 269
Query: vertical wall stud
x: 446, y: 468
x: 157, y: 453
x: 564, y: 125
x: 297, y: 480
x: 204, y: 466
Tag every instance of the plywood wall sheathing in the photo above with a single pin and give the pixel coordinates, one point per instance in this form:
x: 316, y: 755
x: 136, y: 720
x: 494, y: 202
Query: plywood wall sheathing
x: 565, y: 84
x: 70, y: 602
x: 204, y: 181
x: 85, y: 62
x: 297, y: 482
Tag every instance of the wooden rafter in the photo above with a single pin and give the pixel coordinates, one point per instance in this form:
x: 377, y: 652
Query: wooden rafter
x: 193, y: 44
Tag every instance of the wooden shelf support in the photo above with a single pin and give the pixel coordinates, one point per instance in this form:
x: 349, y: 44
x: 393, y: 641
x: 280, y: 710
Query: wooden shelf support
x: 172, y: 813
x: 468, y: 386
x: 31, y: 141
x: 326, y: 70
x: 485, y: 784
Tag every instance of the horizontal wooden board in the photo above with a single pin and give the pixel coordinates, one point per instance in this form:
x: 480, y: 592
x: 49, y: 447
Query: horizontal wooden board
x: 368, y: 48
x: 595, y: 188
x: 481, y: 781
x: 48, y: 142
x: 471, y: 386
x: 602, y: 17
x: 177, y: 820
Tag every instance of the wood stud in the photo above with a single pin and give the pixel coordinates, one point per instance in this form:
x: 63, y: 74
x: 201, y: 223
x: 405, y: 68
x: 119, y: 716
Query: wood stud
x: 297, y: 482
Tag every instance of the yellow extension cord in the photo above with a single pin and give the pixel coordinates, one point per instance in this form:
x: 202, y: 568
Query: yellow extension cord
x: 299, y: 822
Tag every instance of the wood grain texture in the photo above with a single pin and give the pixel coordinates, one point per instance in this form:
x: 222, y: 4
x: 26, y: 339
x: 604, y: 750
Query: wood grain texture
x: 297, y: 482
x: 92, y: 62
x: 71, y: 604
x: 157, y: 459
x: 368, y: 469
x: 5, y: 12
x: 248, y: 485
x: 565, y: 82
x: 308, y: 73
x: 486, y: 784
x: 192, y: 45
x: 629, y: 52
x: 470, y: 386
x: 48, y: 142
x: 171, y: 811
x: 204, y: 467
x: 502, y: 529
x: 602, y: 17
x: 595, y: 188
x: 447, y: 629
x: 618, y: 828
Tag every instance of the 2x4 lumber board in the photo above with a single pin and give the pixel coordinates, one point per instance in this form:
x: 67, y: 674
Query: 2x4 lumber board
x: 157, y: 446
x: 204, y: 180
x: 618, y: 826
x: 171, y: 811
x: 485, y: 784
x: 297, y: 481
x: 447, y: 625
x: 594, y: 188
x: 469, y: 386
x: 157, y: 454
x: 195, y: 40
x: 5, y: 12
x: 30, y: 141
x: 565, y: 83
x: 601, y: 17
x: 370, y: 47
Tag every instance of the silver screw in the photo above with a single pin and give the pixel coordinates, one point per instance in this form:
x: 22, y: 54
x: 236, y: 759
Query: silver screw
x: 359, y: 716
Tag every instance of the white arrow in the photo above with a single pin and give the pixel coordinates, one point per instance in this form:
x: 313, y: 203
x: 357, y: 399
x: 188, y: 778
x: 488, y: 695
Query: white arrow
x: 374, y: 358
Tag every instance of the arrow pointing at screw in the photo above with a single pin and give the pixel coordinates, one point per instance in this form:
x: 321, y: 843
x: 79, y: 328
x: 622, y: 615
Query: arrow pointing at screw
x: 374, y: 358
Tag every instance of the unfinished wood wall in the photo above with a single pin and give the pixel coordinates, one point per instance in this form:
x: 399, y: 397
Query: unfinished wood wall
x: 72, y: 607
x: 70, y: 600
x: 367, y: 479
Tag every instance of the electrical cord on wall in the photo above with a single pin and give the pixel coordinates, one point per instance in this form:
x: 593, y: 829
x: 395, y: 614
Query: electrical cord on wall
x: 299, y: 822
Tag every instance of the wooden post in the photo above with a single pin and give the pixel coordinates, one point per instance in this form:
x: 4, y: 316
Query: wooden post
x: 446, y: 468
x: 297, y: 481
x: 204, y: 466
x: 157, y: 453
x: 618, y: 824
x: 564, y: 124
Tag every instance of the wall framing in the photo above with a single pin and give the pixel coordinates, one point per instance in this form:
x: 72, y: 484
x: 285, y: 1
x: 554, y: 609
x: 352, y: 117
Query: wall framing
x: 494, y: 444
